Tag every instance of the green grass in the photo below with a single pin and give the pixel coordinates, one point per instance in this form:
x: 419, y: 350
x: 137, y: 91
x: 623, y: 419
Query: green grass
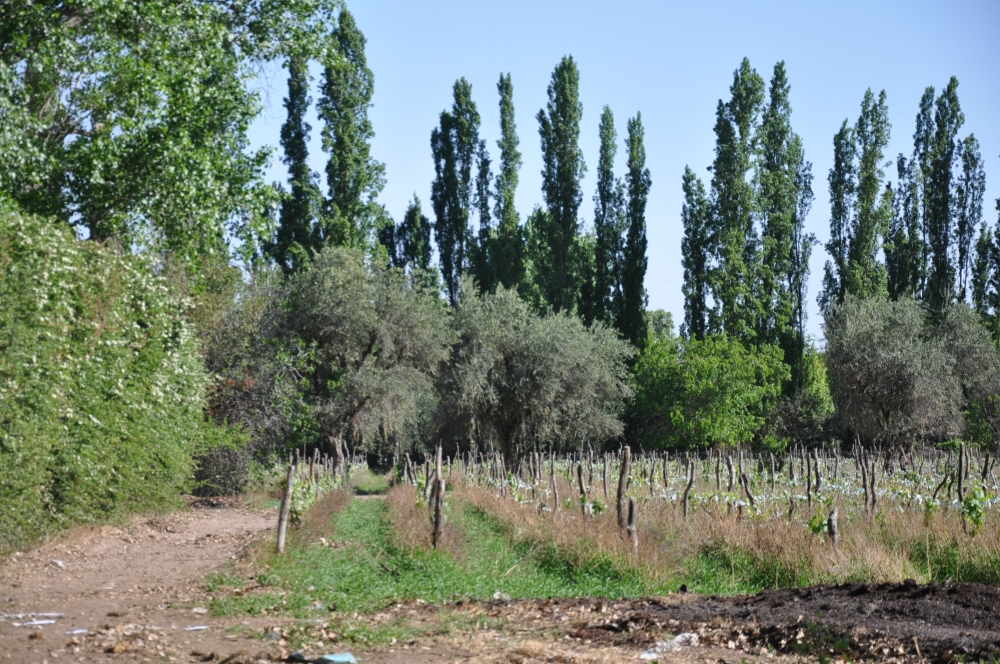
x: 367, y: 483
x: 312, y: 581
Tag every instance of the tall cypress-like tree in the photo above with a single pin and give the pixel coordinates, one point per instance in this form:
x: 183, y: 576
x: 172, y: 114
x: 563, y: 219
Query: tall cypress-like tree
x: 609, y: 226
x: 507, y: 247
x: 905, y: 251
x: 301, y: 207
x: 455, y: 146
x: 939, y: 191
x: 413, y: 238
x: 734, y: 279
x: 866, y: 275
x: 842, y: 190
x: 482, y: 267
x: 563, y: 168
x: 696, y: 252
x: 986, y: 276
x: 632, y: 320
x: 354, y: 179
x: 969, y: 194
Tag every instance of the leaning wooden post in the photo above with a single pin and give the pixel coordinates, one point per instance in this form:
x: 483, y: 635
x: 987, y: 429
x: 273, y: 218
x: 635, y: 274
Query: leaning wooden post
x: 961, y: 472
x: 286, y: 507
x: 632, y: 532
x: 552, y: 482
x: 583, y: 490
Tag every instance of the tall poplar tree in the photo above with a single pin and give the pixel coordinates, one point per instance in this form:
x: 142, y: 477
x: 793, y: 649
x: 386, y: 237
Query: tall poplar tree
x: 986, y: 276
x: 413, y: 238
x: 301, y: 206
x: 507, y: 247
x: 734, y: 278
x: 696, y: 252
x: 969, y: 193
x: 905, y: 251
x: 563, y: 168
x: 632, y: 320
x: 480, y: 264
x: 354, y: 179
x: 609, y: 227
x: 841, y: 180
x: 939, y: 191
x: 455, y: 146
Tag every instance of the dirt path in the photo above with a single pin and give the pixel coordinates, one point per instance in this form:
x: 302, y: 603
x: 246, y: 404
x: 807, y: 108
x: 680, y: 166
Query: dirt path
x: 133, y: 589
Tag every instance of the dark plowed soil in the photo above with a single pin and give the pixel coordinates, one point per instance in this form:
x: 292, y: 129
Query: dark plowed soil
x: 937, y: 622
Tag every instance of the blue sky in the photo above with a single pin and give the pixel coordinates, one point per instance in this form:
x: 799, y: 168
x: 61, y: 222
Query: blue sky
x: 672, y: 62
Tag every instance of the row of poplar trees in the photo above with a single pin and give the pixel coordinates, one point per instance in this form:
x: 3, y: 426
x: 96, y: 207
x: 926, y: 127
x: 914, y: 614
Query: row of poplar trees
x: 549, y: 259
x: 745, y: 251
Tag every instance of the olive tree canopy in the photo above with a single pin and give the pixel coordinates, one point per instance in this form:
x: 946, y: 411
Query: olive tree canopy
x: 521, y: 380
x: 892, y: 377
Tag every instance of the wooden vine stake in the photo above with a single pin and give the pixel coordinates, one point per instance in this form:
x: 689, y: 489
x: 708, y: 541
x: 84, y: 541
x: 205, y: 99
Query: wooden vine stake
x: 623, y: 479
x: 437, y: 500
x: 286, y: 508
x: 687, y: 489
x: 632, y: 532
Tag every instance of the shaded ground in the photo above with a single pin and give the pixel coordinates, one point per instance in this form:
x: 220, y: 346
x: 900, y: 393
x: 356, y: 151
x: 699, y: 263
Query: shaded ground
x: 137, y: 590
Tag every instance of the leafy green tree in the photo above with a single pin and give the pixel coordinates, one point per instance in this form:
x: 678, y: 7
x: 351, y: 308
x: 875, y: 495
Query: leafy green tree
x: 605, y: 302
x: 892, y: 379
x: 784, y: 190
x: 526, y: 381
x: 454, y: 145
x: 354, y: 179
x: 968, y: 205
x: 563, y: 168
x: 507, y: 248
x: 939, y: 191
x: 734, y: 278
x: 861, y: 207
x: 905, y: 250
x: 632, y: 320
x: 129, y: 120
x: 414, y: 238
x: 696, y: 249
x: 480, y: 263
x: 368, y: 342
x: 301, y: 208
x: 986, y: 276
x: 716, y: 392
x: 842, y: 181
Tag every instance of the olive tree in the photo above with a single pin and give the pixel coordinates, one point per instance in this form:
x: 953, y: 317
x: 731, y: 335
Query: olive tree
x: 371, y: 343
x: 892, y: 376
x: 522, y: 380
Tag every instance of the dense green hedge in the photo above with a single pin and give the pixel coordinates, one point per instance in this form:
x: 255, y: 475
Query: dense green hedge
x: 102, y: 388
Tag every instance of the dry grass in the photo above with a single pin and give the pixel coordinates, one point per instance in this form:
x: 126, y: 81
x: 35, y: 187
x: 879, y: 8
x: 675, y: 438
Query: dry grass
x: 411, y: 525
x: 760, y: 550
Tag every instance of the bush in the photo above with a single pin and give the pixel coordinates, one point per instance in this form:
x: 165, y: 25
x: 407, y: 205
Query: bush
x: 102, y: 387
x: 690, y: 393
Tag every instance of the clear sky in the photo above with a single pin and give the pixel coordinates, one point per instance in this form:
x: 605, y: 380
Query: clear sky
x: 673, y: 62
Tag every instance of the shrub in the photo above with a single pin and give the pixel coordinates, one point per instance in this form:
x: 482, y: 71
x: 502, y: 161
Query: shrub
x: 101, y: 383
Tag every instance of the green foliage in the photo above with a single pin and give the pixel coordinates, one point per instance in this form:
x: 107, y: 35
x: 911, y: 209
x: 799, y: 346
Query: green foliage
x: 632, y: 319
x: 890, y: 379
x: 692, y: 393
x: 371, y: 343
x: 455, y: 145
x: 129, y: 120
x: 696, y: 251
x: 563, y: 168
x: 102, y: 387
x: 507, y: 248
x: 605, y: 299
x: 525, y: 381
x: 353, y: 177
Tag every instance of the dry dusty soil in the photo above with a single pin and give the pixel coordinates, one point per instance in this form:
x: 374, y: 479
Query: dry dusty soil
x: 138, y: 591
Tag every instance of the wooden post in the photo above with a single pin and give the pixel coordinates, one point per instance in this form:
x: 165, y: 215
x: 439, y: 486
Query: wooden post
x: 286, y: 507
x: 632, y: 532
x: 687, y: 489
x: 745, y: 481
x: 832, y: 530
x: 583, y: 490
x: 623, y: 478
x: 552, y: 482
x: 437, y: 500
x: 961, y: 472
